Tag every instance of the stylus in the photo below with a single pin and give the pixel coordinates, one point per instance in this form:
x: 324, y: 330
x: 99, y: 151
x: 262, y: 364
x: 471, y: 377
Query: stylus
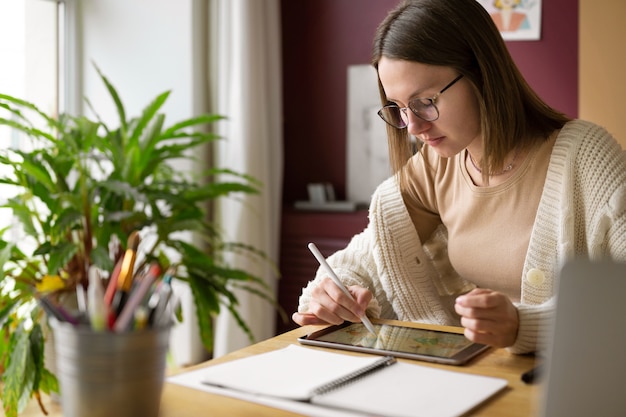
x: 333, y: 276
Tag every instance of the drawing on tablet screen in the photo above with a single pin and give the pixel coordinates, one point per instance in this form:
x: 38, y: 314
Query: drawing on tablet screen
x: 400, y: 339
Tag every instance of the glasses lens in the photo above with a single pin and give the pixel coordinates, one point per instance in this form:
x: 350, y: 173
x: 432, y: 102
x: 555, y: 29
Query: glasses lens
x: 393, y: 116
x: 424, y: 109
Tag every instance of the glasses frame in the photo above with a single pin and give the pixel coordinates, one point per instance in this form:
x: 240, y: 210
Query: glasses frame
x: 432, y: 100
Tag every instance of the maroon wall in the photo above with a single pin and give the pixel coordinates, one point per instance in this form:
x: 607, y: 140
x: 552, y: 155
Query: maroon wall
x: 321, y: 38
x: 550, y: 65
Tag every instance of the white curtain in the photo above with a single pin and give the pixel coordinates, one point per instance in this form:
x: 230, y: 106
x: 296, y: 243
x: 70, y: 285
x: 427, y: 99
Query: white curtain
x: 245, y: 86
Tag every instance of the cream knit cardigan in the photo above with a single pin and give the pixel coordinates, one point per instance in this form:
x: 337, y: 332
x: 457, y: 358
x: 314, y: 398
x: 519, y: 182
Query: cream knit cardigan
x: 582, y: 212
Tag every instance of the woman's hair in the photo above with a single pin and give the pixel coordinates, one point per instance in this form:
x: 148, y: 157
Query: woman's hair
x: 461, y: 34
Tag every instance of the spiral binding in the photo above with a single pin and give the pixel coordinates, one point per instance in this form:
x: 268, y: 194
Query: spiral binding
x: 354, y: 376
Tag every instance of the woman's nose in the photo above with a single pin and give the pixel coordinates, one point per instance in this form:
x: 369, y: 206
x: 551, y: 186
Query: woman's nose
x: 417, y: 125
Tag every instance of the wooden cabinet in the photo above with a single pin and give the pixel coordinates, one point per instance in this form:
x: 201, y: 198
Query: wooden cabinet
x: 330, y: 231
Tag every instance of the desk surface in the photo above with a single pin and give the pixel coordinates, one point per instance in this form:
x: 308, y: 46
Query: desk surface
x: 518, y: 399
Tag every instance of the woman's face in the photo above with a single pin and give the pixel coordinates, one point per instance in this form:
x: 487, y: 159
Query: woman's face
x: 458, y: 125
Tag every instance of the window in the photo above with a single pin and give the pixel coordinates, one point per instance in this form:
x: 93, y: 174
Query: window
x: 29, y: 45
x: 31, y: 39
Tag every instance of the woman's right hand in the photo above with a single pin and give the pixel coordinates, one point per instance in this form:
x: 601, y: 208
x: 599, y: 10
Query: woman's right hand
x: 329, y: 305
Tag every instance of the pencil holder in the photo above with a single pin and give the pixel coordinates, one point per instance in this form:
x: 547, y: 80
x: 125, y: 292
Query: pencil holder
x: 110, y: 374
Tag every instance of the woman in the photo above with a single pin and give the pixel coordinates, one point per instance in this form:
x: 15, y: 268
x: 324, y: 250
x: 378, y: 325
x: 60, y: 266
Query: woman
x: 473, y: 228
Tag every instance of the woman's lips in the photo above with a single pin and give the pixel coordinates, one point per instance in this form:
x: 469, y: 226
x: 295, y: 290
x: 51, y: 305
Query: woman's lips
x: 433, y: 141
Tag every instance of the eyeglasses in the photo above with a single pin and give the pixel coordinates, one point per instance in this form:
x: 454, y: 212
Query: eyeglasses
x: 424, y: 108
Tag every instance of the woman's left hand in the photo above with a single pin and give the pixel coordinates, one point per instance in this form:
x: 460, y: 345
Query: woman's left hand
x: 489, y: 317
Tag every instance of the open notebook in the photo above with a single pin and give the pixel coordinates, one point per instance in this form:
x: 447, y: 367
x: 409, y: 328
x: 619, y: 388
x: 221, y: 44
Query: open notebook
x: 368, y: 384
x: 586, y: 363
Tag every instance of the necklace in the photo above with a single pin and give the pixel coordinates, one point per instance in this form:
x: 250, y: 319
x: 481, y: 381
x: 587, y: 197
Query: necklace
x: 504, y: 170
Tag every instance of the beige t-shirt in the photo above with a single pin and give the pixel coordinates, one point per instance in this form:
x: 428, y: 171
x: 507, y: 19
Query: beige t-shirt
x: 488, y: 227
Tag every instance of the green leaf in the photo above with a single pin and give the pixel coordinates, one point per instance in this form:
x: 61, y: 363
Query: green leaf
x: 116, y: 99
x: 68, y: 218
x: 194, y: 121
x: 180, y: 150
x: 47, y: 198
x: 148, y: 143
x: 100, y: 258
x: 28, y: 130
x: 37, y: 353
x: 147, y: 115
x: 19, y: 376
x: 49, y: 382
x: 5, y: 253
x: 207, y: 306
x: 43, y: 249
x: 240, y: 321
x: 9, y: 305
x: 27, y: 105
x: 215, y: 190
x: 60, y: 256
x: 122, y: 189
x: 23, y: 214
x: 35, y: 170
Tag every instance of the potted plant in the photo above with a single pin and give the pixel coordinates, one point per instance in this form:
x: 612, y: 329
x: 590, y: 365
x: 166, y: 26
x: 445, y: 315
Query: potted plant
x: 81, y: 188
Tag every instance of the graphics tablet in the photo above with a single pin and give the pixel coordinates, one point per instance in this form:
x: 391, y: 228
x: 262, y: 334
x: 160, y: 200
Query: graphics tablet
x: 399, y: 341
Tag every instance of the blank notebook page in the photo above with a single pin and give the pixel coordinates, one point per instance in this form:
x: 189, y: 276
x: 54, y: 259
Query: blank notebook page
x: 292, y: 372
x: 409, y: 390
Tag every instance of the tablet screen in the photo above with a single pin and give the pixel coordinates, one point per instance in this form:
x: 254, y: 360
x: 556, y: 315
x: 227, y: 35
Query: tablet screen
x: 396, y: 339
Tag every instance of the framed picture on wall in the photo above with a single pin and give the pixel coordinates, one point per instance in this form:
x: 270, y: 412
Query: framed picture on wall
x: 516, y: 19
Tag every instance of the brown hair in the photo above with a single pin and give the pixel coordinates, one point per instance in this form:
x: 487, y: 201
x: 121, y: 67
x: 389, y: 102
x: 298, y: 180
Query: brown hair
x: 460, y: 34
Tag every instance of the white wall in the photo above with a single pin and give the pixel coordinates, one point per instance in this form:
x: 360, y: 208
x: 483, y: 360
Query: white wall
x: 145, y: 47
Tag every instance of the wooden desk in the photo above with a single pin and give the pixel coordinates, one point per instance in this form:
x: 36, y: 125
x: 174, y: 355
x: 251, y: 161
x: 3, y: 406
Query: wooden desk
x: 517, y: 400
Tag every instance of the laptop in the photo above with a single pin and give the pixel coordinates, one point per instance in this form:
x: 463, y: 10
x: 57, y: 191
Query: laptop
x: 586, y: 359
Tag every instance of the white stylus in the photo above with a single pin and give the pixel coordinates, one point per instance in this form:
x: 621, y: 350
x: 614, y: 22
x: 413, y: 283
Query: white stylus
x: 333, y: 276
